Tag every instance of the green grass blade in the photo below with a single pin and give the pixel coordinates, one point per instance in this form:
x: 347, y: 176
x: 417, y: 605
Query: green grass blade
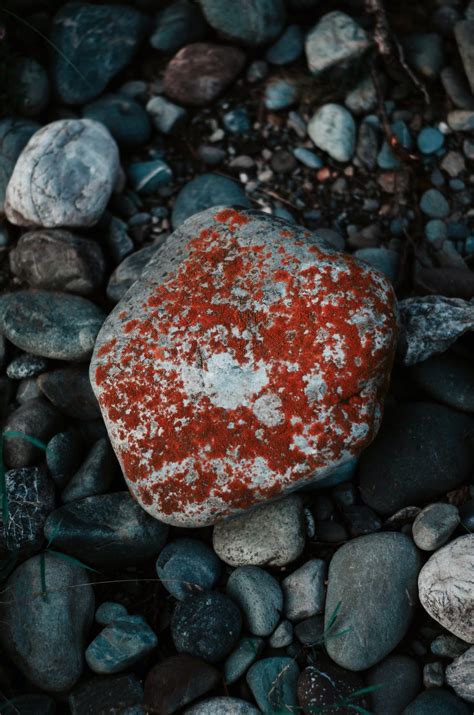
x: 54, y: 534
x: 3, y: 490
x: 333, y: 617
x: 44, y: 592
x: 72, y: 560
x: 27, y: 437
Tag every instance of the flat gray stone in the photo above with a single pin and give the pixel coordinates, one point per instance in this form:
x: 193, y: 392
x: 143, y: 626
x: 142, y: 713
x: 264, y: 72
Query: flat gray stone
x: 259, y: 597
x: 336, y: 42
x: 434, y: 525
x: 304, y: 590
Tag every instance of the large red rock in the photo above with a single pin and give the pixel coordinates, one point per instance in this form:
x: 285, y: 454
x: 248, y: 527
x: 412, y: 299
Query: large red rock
x: 248, y: 360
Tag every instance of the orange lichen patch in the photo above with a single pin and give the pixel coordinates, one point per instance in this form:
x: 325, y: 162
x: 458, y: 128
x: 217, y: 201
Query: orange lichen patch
x: 316, y: 346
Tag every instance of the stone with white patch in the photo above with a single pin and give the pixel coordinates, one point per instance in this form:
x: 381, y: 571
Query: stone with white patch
x: 250, y: 359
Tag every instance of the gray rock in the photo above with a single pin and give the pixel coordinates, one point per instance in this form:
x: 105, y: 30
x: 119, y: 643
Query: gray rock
x: 165, y: 115
x: 280, y: 94
x: 45, y: 635
x: 34, y: 418
x: 126, y: 119
x: 382, y: 259
x: 363, y: 98
x: 93, y: 42
x: 448, y: 646
x: 445, y: 587
x: 373, y: 578
x: 29, y: 87
x: 434, y: 525
x: 337, y: 42
x: 69, y: 390
x: 176, y: 681
x: 456, y: 88
x: 461, y: 120
x: 433, y: 675
x: 464, y: 33
x: 304, y: 590
x: 118, y: 242
x: 58, y: 260
x: 64, y: 454
x: 29, y: 493
x: 259, y: 597
x: 310, y: 632
x: 238, y: 662
x: 25, y: 366
x: 253, y: 22
x: 40, y: 195
x: 109, y: 611
x: 106, y: 530
x: 106, y: 694
x: 424, y: 52
x: 128, y: 272
x: 222, y: 706
x: 282, y: 636
x: 287, y: 48
x: 273, y: 684
x: 14, y: 135
x: 95, y: 474
x: 120, y: 645
x: 53, y: 325
x: 333, y: 130
x: 367, y: 145
x: 204, y: 192
x: 27, y: 390
x: 399, y: 681
x: 188, y: 565
x: 176, y: 25
x: 437, y: 701
x: 270, y: 535
x: 460, y: 675
x: 434, y: 204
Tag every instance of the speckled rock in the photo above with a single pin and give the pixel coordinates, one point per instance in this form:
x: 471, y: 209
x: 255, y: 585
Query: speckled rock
x: 333, y: 130
x: 205, y: 191
x: 445, y: 587
x: 40, y: 195
x: 45, y: 636
x: 259, y: 281
x: 460, y: 675
x: 120, y: 645
x: 335, y: 43
x: 222, y: 706
x: 325, y: 686
x: 94, y: 42
x: 198, y: 73
x: 434, y: 525
x: 252, y: 22
x: 53, y: 325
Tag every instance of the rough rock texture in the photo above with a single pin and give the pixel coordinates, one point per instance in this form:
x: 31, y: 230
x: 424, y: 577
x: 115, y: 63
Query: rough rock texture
x: 459, y: 675
x: 430, y: 324
x: 207, y: 413
x: 14, y: 135
x: 45, y: 637
x: 335, y: 43
x: 201, y: 71
x: 252, y: 22
x: 446, y: 587
x: 39, y: 194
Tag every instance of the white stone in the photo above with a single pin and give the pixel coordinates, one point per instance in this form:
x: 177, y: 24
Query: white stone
x: 460, y: 675
x: 304, y: 590
x: 332, y: 129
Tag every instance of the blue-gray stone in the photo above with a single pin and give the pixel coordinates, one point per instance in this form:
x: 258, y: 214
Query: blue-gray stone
x: 109, y: 611
x: 424, y: 52
x: 259, y: 596
x: 375, y: 609
x: 437, y: 701
x: 45, y: 635
x: 120, y: 645
x: 335, y: 44
x: 251, y: 22
x: 457, y: 184
x: 257, y: 70
x: 383, y: 259
x: 447, y: 378
x: 187, y: 565
x: 332, y: 129
x: 53, y: 325
x: 147, y: 177
x: 458, y: 230
x: 93, y: 43
x: 125, y: 119
x: 280, y: 94
x: 434, y: 204
x: 386, y: 158
x: 223, y: 705
x: 287, y: 48
x: 284, y: 214
x: 396, y: 681
x: 206, y: 191
x: 30, y: 87
x: 128, y: 271
x: 273, y: 682
x: 26, y: 365
x: 63, y: 456
x: 206, y: 625
x: 282, y: 636
x: 341, y: 474
x: 95, y: 474
x: 177, y: 25
x: 429, y: 140
x: 436, y: 231
x: 363, y: 98
x: 469, y: 245
x: 237, y: 121
x: 166, y: 115
x: 14, y: 135
x: 239, y: 661
x: 308, y: 158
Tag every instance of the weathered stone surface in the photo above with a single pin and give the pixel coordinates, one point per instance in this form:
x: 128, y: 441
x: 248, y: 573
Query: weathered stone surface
x: 460, y: 675
x: 250, y: 359
x: 14, y: 135
x: 58, y: 260
x: 64, y: 176
x: 446, y: 587
x: 222, y: 706
x: 201, y: 71
x: 335, y: 44
x: 45, y: 636
x: 252, y: 22
x: 69, y: 390
x: 107, y: 694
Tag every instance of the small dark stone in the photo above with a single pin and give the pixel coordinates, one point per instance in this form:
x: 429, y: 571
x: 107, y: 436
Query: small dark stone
x: 95, y: 474
x: 466, y: 513
x: 34, y: 418
x: 310, y: 632
x: 30, y: 705
x: 125, y: 118
x: 176, y: 681
x: 325, y: 686
x: 330, y: 532
x: 283, y: 162
x: 26, y: 366
x: 206, y: 625
x: 104, y: 695
x: 128, y: 271
x: 69, y: 389
x: 447, y: 378
x: 399, y: 678
x: 64, y: 454
x: 187, y: 565
x: 361, y: 520
x: 117, y: 240
x: 106, y: 530
x: 437, y: 701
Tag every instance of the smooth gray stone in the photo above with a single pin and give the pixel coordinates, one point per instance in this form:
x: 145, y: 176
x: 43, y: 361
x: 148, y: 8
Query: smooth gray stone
x: 251, y: 22
x: 238, y: 662
x: 399, y: 678
x: 34, y: 418
x: 434, y: 525
x: 335, y: 43
x: 332, y: 129
x: 447, y: 378
x: 69, y: 390
x: 14, y: 135
x: 222, y: 706
x: 120, y: 645
x: 128, y: 271
x: 187, y: 565
x: 374, y: 579
x: 126, y: 119
x: 54, y: 325
x: 437, y: 701
x: 259, y: 597
x: 459, y: 675
x: 204, y: 192
x: 64, y: 176
x: 176, y: 25
x: 64, y: 454
x: 95, y: 474
x: 44, y: 635
x: 273, y: 684
x: 304, y: 590
x: 109, y: 611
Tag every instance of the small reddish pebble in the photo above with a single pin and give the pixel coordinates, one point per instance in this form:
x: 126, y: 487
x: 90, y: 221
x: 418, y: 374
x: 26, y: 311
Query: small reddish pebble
x: 249, y: 359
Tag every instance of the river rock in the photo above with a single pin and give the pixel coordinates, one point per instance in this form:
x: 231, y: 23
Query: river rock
x: 93, y: 43
x: 69, y: 390
x: 336, y: 43
x: 95, y: 474
x: 54, y: 325
x: 14, y: 135
x: 251, y: 23
x: 304, y: 590
x: 333, y: 130
x: 38, y: 194
x: 222, y: 706
x: 45, y: 636
x: 187, y: 565
x: 176, y: 681
x: 120, y: 645
x: 447, y: 378
x: 325, y: 686
x: 35, y: 418
x: 126, y: 119
x: 176, y: 25
x: 201, y: 71
x: 107, y: 694
x: 259, y: 597
x: 437, y: 701
x: 206, y: 191
x: 445, y: 587
x: 398, y: 680
x: 259, y: 281
x: 128, y: 272
x: 464, y: 33
x: 273, y: 684
x: 373, y: 578
x: 460, y: 675
x: 434, y: 525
